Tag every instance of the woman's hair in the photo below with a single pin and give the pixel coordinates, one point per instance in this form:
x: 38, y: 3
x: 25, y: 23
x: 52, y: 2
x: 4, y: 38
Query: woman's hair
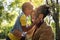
x: 27, y: 5
x: 44, y: 9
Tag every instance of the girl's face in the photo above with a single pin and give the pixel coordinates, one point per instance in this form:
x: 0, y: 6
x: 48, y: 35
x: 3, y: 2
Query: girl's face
x: 28, y: 11
x: 33, y: 16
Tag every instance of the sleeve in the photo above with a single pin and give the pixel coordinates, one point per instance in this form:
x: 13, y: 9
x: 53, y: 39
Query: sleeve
x: 47, y: 34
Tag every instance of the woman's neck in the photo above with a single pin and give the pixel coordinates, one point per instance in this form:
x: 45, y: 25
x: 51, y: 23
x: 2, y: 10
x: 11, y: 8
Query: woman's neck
x: 39, y: 24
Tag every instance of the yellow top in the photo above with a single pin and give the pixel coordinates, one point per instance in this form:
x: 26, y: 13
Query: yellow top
x: 25, y: 20
x: 12, y: 37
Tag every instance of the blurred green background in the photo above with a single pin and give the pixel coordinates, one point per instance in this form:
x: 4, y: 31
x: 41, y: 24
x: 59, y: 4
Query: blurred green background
x: 10, y: 9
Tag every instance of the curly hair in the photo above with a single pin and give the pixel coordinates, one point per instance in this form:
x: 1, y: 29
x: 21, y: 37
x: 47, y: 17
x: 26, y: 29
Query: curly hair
x: 44, y: 9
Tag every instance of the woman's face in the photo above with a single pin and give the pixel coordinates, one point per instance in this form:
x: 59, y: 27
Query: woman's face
x: 40, y: 18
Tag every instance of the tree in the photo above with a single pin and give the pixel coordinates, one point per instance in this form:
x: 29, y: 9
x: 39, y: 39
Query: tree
x: 55, y: 9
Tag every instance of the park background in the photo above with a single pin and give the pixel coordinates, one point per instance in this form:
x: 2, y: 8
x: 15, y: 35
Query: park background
x: 10, y: 9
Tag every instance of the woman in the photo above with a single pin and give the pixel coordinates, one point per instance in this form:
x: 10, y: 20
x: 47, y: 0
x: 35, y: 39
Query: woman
x: 42, y: 31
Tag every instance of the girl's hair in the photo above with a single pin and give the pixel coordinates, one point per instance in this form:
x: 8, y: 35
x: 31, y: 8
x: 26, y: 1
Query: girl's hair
x: 27, y: 5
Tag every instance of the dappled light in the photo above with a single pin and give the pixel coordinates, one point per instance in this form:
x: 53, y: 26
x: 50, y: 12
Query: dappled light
x: 11, y: 9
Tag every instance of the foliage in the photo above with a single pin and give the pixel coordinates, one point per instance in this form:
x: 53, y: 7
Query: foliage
x: 9, y: 12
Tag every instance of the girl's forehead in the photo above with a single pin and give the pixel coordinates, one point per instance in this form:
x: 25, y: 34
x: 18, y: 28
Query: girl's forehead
x: 29, y: 8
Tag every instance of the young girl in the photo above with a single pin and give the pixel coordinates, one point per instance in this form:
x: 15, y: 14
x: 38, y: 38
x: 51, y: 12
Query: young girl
x: 23, y: 23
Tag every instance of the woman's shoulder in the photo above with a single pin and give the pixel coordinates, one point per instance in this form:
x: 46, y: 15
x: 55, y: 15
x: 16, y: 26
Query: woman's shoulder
x: 44, y: 27
x: 44, y: 31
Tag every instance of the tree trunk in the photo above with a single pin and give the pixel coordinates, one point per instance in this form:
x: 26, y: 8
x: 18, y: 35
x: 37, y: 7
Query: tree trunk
x: 47, y: 2
x: 56, y: 17
x: 57, y: 22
